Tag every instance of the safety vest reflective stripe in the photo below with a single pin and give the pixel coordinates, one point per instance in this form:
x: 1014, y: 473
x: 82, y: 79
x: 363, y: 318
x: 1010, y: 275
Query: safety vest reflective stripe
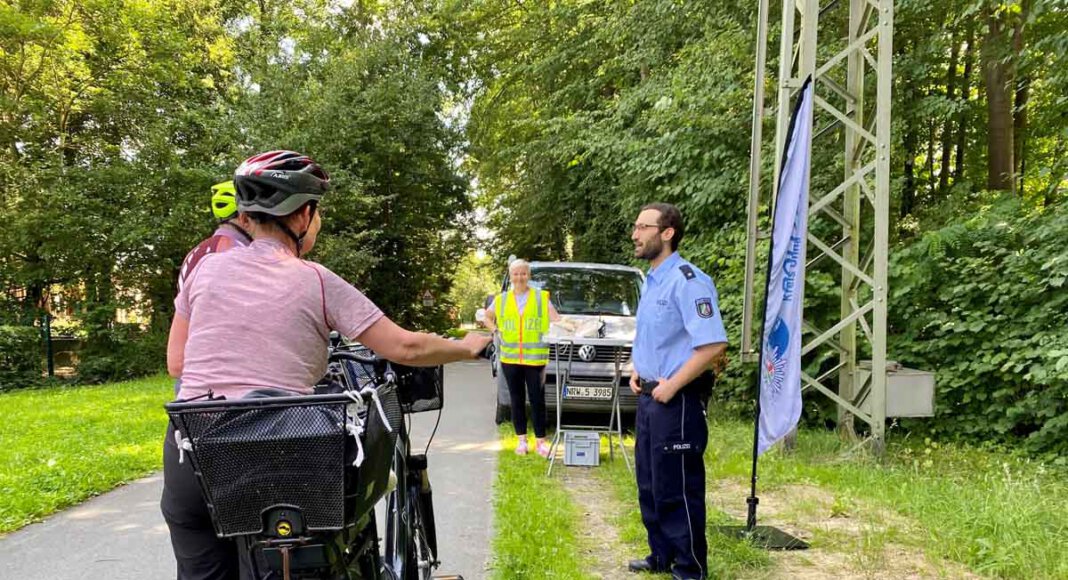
x: 525, y: 345
x: 528, y: 359
x: 522, y: 333
x: 513, y: 357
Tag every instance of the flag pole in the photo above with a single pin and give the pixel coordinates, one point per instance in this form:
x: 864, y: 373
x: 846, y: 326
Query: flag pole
x: 752, y: 501
x: 767, y: 537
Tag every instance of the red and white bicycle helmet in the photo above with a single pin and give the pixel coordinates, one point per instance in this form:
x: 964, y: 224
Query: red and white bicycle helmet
x: 279, y: 182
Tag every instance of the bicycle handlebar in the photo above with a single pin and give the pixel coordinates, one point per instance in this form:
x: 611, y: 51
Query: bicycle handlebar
x: 381, y: 366
x: 353, y: 356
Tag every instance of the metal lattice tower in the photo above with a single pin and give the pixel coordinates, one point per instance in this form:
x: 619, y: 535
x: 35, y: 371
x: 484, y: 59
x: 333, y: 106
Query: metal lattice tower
x: 851, y: 70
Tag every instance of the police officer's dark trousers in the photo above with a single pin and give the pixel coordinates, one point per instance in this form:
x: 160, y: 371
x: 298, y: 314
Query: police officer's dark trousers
x: 671, y: 440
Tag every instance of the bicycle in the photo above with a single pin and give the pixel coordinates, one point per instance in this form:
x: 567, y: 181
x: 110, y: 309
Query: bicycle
x: 410, y: 532
x: 295, y: 478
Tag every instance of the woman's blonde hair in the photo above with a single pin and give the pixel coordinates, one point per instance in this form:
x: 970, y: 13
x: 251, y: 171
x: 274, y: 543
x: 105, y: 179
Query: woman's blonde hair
x: 518, y: 263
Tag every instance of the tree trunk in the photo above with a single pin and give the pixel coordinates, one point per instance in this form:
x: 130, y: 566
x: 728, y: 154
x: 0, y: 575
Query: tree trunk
x: 908, y: 192
x: 35, y: 305
x: 1023, y: 90
x: 965, y: 97
x: 998, y: 81
x: 947, y: 125
x: 932, y: 136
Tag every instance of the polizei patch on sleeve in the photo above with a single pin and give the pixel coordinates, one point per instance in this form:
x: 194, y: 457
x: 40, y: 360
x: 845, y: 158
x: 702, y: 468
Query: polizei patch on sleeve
x: 704, y: 307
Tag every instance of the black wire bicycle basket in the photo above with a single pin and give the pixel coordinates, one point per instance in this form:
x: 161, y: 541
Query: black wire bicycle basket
x: 250, y: 455
x: 421, y: 389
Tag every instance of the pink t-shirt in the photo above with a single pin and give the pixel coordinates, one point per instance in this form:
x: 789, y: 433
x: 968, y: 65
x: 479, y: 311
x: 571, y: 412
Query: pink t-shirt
x: 261, y: 318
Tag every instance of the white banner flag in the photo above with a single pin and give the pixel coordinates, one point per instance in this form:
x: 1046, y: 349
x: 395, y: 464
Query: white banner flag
x: 780, y: 355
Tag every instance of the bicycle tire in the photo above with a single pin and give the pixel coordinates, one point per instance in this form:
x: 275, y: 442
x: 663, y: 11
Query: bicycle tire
x: 409, y: 554
x: 421, y: 558
x: 426, y: 507
x: 397, y: 552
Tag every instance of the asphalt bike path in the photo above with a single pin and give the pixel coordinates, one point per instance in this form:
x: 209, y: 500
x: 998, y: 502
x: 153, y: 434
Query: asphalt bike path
x: 121, y: 535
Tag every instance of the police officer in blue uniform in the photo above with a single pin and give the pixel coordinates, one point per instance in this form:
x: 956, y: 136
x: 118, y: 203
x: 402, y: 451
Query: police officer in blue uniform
x: 680, y: 336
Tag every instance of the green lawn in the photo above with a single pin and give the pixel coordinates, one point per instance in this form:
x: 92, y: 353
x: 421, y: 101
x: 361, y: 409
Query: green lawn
x: 996, y: 513
x: 535, y: 522
x: 954, y: 508
x: 925, y: 510
x: 61, y: 445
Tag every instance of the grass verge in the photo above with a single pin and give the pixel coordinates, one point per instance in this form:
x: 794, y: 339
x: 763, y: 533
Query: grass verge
x: 536, y: 524
x: 996, y: 513
x: 61, y: 445
x: 925, y: 510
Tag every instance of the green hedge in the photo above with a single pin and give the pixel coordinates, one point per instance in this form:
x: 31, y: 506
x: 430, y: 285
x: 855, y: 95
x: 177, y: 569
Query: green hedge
x: 21, y: 359
x: 122, y: 352
x: 984, y: 304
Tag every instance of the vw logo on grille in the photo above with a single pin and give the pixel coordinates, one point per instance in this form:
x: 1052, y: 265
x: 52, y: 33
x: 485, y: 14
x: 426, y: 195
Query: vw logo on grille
x: 587, y: 352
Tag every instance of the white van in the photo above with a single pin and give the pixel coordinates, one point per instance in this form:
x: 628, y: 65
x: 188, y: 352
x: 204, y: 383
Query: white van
x: 602, y: 295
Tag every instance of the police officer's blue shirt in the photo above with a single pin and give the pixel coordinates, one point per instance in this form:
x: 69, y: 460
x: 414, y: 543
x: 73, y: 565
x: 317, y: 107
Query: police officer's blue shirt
x: 678, y: 312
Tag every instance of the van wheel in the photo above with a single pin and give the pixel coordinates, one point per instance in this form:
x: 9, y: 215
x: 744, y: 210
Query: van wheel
x: 504, y: 413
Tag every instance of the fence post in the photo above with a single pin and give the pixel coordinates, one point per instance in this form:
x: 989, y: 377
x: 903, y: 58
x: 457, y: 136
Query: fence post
x: 48, y: 344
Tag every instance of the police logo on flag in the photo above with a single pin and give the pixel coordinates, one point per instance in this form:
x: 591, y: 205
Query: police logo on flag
x: 775, y: 346
x: 704, y: 307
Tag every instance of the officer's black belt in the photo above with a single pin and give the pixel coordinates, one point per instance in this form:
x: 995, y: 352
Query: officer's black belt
x: 701, y: 385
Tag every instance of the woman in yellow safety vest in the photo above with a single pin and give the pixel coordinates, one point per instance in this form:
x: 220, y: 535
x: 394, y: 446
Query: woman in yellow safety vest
x: 522, y: 316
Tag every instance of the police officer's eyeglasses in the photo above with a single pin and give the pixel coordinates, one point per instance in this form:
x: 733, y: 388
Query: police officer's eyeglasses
x: 643, y: 227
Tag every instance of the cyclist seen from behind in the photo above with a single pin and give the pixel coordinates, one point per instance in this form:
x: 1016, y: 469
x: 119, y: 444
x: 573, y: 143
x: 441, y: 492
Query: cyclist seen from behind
x: 232, y: 231
x: 260, y: 317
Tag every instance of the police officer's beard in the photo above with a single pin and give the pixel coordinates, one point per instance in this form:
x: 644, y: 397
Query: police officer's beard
x: 651, y: 249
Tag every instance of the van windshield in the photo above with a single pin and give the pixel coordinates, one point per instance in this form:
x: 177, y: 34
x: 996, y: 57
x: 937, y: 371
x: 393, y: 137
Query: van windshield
x: 590, y: 291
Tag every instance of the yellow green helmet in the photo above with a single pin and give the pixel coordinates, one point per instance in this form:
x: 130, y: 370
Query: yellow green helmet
x: 224, y: 200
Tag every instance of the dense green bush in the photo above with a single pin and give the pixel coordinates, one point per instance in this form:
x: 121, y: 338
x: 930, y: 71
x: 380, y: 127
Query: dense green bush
x: 20, y: 356
x: 983, y: 302
x: 123, y: 351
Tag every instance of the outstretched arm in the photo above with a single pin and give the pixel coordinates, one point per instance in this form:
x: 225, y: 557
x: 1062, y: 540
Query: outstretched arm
x: 419, y: 349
